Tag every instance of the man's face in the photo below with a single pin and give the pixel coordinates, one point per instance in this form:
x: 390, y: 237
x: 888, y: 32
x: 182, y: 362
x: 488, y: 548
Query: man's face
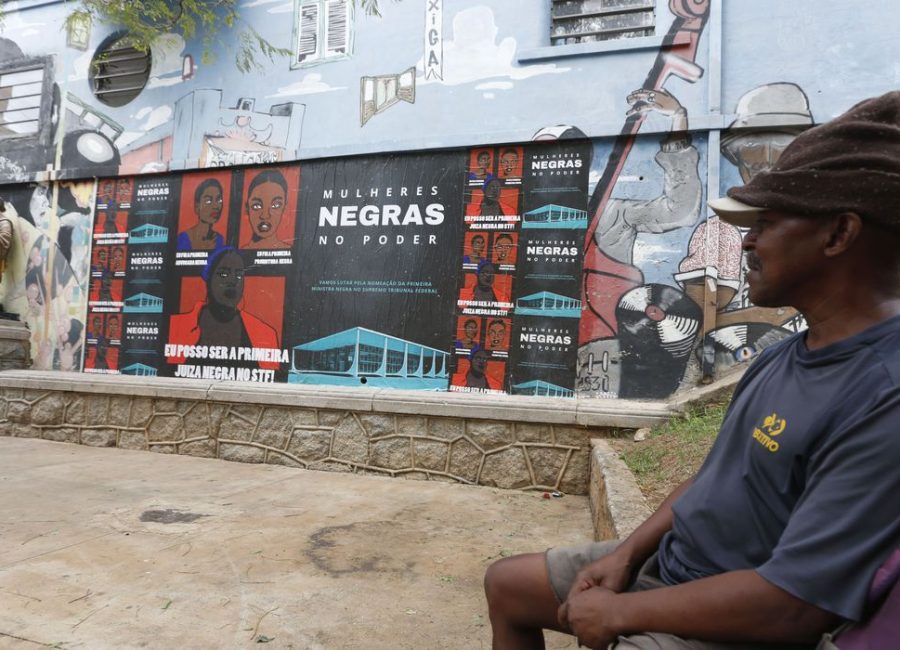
x: 757, y: 152
x: 470, y: 328
x: 783, y: 255
x: 265, y: 208
x: 484, y: 159
x: 226, y: 283
x: 509, y: 161
x: 496, y: 333
x: 209, y: 207
x: 503, y: 246
x: 479, y: 361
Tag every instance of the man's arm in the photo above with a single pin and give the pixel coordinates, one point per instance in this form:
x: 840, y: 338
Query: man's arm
x: 614, y: 570
x: 644, y: 541
x: 733, y: 606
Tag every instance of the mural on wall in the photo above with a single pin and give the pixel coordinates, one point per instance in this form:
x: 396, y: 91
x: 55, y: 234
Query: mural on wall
x: 46, y: 279
x: 29, y: 112
x: 322, y: 31
x: 605, y: 367
x: 640, y: 337
x: 767, y: 119
x: 89, y: 146
x: 485, y: 63
x: 610, y: 272
x: 201, y: 130
x: 377, y: 94
x: 434, y: 39
x: 663, y: 300
x: 337, y: 273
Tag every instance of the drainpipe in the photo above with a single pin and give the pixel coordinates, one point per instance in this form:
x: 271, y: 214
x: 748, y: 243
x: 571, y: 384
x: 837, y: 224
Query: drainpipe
x: 713, y: 158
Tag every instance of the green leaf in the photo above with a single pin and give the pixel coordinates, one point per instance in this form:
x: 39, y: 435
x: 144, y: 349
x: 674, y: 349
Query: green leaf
x: 145, y: 20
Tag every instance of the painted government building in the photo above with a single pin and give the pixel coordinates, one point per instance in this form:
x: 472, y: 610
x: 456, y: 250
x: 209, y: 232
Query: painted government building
x: 473, y: 196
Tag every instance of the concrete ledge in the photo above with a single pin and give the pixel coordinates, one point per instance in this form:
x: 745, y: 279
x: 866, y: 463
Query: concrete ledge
x: 514, y: 408
x: 323, y: 397
x: 512, y: 442
x: 104, y: 384
x: 617, y: 504
x: 717, y: 390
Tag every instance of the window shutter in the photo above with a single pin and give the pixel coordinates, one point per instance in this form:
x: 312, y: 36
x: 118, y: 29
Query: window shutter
x: 309, y: 26
x: 20, y: 101
x: 582, y: 21
x: 337, y: 30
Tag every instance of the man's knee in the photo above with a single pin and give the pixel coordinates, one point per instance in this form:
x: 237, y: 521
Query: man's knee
x: 519, y: 583
x: 498, y: 579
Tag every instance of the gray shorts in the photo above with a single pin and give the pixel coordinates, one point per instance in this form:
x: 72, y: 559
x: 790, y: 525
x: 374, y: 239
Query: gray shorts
x: 564, y: 563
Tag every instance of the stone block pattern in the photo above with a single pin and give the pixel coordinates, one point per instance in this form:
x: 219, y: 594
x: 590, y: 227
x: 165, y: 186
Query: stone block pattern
x: 471, y: 451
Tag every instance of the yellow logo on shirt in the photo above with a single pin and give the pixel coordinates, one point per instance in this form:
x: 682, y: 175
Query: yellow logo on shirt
x: 772, y: 426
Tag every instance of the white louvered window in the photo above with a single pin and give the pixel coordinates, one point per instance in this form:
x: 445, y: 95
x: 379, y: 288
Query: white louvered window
x: 119, y: 72
x: 20, y: 101
x: 323, y: 31
x: 585, y: 21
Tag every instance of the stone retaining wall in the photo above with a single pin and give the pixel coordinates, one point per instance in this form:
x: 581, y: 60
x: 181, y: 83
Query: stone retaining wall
x: 507, y: 452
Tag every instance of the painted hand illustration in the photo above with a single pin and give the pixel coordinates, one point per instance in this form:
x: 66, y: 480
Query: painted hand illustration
x: 643, y: 101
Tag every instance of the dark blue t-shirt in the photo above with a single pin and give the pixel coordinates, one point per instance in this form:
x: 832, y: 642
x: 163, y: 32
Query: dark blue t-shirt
x: 803, y: 482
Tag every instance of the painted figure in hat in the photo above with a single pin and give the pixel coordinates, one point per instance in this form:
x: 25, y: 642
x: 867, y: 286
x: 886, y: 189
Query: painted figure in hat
x: 767, y: 119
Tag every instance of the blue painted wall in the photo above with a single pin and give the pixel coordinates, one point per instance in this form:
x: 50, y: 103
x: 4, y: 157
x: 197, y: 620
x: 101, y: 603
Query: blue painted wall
x: 768, y: 64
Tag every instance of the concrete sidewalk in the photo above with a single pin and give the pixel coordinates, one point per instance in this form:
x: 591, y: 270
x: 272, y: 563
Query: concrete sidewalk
x: 108, y: 548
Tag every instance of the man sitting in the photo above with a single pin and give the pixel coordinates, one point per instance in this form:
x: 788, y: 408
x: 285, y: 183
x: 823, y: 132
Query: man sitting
x: 777, y: 537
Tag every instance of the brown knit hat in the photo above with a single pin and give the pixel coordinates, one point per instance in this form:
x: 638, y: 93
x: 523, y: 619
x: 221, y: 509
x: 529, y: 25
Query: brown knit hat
x: 850, y: 164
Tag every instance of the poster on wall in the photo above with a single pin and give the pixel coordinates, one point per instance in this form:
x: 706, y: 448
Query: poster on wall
x: 374, y: 301
x: 493, y: 195
x: 547, y: 308
x: 149, y: 257
x: 190, y: 272
x: 106, y: 298
x: 448, y: 271
x: 227, y: 289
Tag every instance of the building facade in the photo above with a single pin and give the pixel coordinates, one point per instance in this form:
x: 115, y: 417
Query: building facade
x: 505, y: 197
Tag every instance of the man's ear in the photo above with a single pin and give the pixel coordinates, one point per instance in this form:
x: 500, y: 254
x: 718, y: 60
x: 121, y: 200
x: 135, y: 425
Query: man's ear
x: 843, y: 232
